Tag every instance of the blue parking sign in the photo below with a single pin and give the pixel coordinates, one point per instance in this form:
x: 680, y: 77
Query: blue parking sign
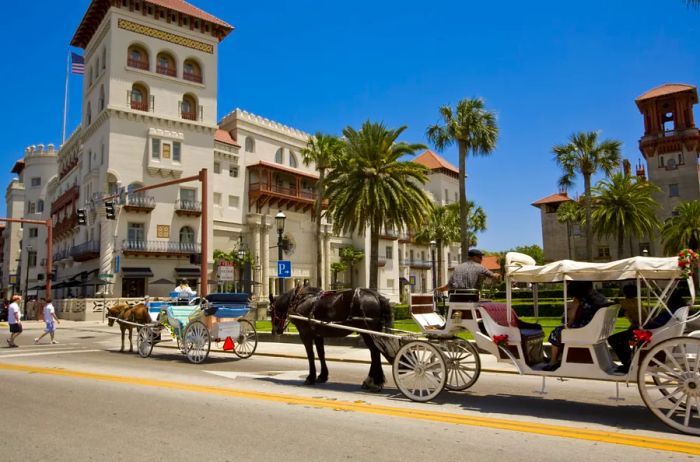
x: 284, y: 269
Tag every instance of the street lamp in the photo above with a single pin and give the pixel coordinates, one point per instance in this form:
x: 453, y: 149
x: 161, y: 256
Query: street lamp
x: 433, y: 246
x: 26, y: 281
x: 279, y: 221
x: 241, y: 255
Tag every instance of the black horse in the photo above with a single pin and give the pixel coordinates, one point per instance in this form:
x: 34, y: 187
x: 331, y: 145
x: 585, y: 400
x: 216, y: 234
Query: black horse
x: 361, y: 308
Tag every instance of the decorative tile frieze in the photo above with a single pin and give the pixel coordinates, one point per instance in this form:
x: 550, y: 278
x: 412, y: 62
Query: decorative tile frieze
x: 165, y: 36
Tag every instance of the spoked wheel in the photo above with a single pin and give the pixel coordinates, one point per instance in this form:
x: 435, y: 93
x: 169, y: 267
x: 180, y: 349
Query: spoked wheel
x: 247, y: 340
x: 144, y: 341
x: 419, y: 371
x: 463, y: 364
x: 673, y: 366
x: 196, y: 342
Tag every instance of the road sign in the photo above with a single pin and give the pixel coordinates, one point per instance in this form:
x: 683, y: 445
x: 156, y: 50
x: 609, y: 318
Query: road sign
x: 284, y: 269
x: 226, y: 271
x: 117, y: 263
x: 105, y: 276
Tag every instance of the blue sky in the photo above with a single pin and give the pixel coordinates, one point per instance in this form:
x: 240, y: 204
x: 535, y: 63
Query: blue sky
x: 547, y: 69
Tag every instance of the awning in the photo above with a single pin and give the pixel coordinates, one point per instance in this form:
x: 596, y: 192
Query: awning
x: 137, y: 273
x: 187, y: 272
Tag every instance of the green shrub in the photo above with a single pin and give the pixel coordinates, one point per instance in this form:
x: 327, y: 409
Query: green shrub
x: 401, y: 311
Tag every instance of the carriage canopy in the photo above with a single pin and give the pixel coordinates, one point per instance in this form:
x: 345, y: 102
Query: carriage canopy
x: 522, y: 268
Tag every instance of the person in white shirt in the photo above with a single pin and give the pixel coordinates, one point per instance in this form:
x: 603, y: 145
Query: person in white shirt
x: 50, y: 319
x: 14, y: 319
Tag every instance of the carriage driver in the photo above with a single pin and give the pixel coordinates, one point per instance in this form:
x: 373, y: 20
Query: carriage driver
x: 470, y: 274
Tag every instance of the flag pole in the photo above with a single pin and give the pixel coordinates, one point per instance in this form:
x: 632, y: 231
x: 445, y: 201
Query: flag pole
x: 65, y: 101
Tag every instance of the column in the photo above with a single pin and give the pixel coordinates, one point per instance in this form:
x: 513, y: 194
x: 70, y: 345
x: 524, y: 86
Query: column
x: 327, y: 259
x: 265, y: 258
x: 254, y: 229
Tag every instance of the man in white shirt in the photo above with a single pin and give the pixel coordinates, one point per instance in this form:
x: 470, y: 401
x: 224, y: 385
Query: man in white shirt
x: 50, y: 319
x: 14, y: 319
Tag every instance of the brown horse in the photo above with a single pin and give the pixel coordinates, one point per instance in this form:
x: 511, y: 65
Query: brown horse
x: 136, y: 314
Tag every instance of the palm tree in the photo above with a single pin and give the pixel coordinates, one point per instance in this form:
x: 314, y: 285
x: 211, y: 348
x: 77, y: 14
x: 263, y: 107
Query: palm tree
x: 323, y: 151
x: 624, y: 206
x: 585, y: 156
x: 443, y: 228
x: 350, y: 256
x: 474, y: 130
x: 682, y: 229
x: 373, y: 189
x: 571, y: 213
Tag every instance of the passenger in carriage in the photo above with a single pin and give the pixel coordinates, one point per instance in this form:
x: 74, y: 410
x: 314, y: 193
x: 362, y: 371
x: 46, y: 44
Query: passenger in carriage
x: 578, y: 313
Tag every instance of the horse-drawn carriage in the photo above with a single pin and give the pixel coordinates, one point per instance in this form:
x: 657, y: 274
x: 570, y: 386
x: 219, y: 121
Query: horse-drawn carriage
x: 665, y: 362
x: 195, y: 322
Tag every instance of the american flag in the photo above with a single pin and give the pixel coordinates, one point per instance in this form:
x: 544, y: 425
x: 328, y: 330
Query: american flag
x: 77, y: 64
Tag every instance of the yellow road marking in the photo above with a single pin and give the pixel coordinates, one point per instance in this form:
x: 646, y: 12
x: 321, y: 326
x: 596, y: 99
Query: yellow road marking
x: 660, y: 444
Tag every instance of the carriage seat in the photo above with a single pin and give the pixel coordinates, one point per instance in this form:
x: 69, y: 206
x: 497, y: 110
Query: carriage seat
x: 597, y: 331
x: 674, y: 327
x: 528, y: 336
x: 179, y: 316
x: 422, y: 309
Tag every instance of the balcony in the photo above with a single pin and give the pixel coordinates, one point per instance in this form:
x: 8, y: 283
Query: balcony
x: 161, y: 248
x: 389, y: 234
x: 166, y: 70
x: 188, y: 208
x: 669, y: 141
x: 192, y: 77
x: 65, y: 227
x: 278, y: 186
x: 138, y: 64
x: 86, y: 251
x: 61, y: 255
x: 65, y: 199
x: 422, y: 264
x: 189, y: 115
x: 140, y: 203
x: 67, y: 167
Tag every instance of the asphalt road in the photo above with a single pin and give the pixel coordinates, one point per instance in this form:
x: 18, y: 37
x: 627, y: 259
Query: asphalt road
x: 82, y: 400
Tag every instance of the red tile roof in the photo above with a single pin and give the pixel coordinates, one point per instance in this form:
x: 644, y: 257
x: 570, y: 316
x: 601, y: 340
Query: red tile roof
x: 552, y: 199
x: 222, y: 136
x: 668, y: 89
x: 98, y: 9
x: 434, y: 162
x: 491, y: 263
x: 18, y: 167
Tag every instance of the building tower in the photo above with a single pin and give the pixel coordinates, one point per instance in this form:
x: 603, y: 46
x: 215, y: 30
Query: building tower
x: 670, y: 144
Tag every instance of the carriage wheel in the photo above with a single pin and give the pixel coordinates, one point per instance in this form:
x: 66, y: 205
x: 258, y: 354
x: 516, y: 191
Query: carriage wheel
x: 196, y: 342
x: 463, y: 364
x: 419, y: 371
x: 144, y: 341
x: 674, y: 368
x: 247, y: 340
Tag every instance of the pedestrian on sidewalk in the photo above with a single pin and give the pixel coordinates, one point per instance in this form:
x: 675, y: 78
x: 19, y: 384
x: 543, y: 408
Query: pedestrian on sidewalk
x: 50, y: 319
x: 14, y: 319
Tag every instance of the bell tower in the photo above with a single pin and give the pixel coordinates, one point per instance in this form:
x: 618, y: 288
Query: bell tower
x: 671, y: 143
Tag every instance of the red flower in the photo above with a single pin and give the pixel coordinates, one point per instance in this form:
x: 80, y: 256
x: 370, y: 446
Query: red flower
x: 500, y: 340
x: 641, y: 337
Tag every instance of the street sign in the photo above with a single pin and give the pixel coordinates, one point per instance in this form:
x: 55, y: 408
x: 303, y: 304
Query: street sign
x: 105, y: 276
x: 284, y: 269
x: 117, y: 263
x: 226, y: 271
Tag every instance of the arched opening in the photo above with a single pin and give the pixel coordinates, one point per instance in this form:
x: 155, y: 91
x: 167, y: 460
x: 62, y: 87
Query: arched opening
x: 279, y: 156
x: 137, y: 57
x: 138, y: 97
x: 292, y: 159
x: 101, y: 104
x: 165, y: 64
x: 188, y: 107
x: 186, y: 239
x: 88, y: 114
x: 192, y: 71
x: 249, y: 144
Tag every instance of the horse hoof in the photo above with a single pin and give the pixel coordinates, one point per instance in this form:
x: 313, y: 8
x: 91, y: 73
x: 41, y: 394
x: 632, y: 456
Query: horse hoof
x: 369, y: 385
x: 309, y: 381
x: 322, y: 379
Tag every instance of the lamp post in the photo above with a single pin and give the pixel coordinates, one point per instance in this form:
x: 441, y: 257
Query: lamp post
x: 279, y: 221
x: 26, y: 280
x: 433, y: 246
x: 241, y: 256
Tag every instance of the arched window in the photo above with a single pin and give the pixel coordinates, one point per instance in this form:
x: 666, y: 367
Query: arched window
x: 88, y: 114
x: 249, y: 144
x: 188, y: 107
x: 186, y: 238
x: 192, y: 71
x: 137, y: 57
x: 138, y: 97
x: 292, y: 159
x: 101, y: 104
x: 279, y: 156
x: 165, y: 64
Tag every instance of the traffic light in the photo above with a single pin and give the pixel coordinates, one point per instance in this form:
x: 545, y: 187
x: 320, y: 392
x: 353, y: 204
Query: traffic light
x: 109, y: 206
x: 82, y: 217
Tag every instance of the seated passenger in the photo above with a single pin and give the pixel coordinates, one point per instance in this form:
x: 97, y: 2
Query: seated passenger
x: 620, y: 342
x: 675, y: 301
x: 578, y: 314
